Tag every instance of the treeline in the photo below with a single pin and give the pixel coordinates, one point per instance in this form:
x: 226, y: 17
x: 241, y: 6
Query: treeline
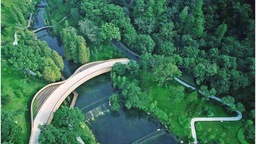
x: 214, y: 43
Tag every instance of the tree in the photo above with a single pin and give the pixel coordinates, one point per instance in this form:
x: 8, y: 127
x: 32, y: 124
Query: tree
x: 131, y: 93
x: 129, y: 33
x: 69, y: 119
x: 198, y: 28
x: 10, y: 131
x: 167, y: 48
x: 220, y: 32
x: 133, y: 67
x: 109, y: 31
x: 183, y: 14
x: 58, y: 60
x: 115, y: 102
x: 74, y: 46
x: 89, y: 29
x: 230, y: 101
x: 240, y: 107
x: 49, y: 134
x: 50, y: 75
x: 67, y: 125
x: 145, y: 44
x: 83, y: 52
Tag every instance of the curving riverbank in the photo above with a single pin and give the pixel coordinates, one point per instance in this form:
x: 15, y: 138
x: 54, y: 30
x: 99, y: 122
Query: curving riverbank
x: 136, y: 57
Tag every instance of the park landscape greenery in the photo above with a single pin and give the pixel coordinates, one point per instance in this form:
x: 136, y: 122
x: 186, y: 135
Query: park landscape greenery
x: 212, y: 41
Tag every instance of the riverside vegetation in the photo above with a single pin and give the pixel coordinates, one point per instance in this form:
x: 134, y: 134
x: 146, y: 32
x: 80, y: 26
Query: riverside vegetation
x: 212, y: 41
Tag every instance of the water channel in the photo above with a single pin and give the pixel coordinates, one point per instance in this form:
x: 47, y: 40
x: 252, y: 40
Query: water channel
x: 122, y: 127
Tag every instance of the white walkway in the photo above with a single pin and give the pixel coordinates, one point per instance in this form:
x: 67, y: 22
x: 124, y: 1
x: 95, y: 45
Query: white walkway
x: 203, y: 119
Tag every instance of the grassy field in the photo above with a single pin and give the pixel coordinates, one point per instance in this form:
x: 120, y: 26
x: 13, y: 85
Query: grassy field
x: 176, y: 105
x: 21, y: 91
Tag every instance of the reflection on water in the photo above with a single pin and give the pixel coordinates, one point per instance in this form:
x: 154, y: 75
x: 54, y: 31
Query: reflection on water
x: 122, y: 127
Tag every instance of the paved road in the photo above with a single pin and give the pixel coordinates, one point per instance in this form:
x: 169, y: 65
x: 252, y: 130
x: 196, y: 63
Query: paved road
x: 45, y: 114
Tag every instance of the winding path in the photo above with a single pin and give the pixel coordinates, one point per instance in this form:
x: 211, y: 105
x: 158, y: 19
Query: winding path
x: 204, y: 119
x: 136, y: 57
x: 62, y: 89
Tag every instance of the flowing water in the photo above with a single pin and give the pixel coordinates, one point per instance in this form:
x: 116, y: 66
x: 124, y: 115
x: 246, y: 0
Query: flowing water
x: 122, y: 127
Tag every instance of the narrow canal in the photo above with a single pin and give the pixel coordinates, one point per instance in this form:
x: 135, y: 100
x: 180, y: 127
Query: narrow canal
x: 122, y: 127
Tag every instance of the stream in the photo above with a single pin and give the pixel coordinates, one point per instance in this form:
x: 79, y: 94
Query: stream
x: 122, y: 127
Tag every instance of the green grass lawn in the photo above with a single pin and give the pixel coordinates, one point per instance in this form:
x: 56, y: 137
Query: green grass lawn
x: 226, y: 132
x: 21, y: 91
x: 176, y: 105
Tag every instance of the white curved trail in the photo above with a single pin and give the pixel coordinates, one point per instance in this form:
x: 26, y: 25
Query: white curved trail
x: 15, y: 42
x: 203, y: 119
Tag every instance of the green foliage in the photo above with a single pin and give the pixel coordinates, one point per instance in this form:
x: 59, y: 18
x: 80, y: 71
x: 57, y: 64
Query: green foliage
x: 131, y: 93
x: 250, y: 132
x: 145, y: 44
x: 163, y: 69
x: 183, y: 121
x: 183, y: 14
x: 67, y: 125
x: 161, y: 115
x: 10, y: 131
x: 51, y: 73
x: 119, y: 69
x: 109, y: 31
x: 115, y: 102
x: 26, y: 58
x: 198, y: 28
x: 74, y: 46
x: 89, y: 30
x: 192, y: 97
x: 240, y: 107
x: 58, y: 60
x: 241, y: 136
x: 133, y: 67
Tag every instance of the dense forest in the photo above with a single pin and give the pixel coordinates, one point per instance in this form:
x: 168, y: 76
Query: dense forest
x: 210, y: 41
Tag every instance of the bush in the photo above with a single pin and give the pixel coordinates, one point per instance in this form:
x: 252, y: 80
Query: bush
x: 199, y: 126
x: 183, y: 121
x: 115, y: 102
x: 210, y: 114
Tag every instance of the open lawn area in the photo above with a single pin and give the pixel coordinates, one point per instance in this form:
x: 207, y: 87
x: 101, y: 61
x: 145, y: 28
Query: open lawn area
x: 17, y: 92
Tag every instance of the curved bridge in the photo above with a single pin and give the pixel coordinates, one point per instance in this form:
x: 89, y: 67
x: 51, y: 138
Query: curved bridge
x: 49, y: 98
x: 42, y: 28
